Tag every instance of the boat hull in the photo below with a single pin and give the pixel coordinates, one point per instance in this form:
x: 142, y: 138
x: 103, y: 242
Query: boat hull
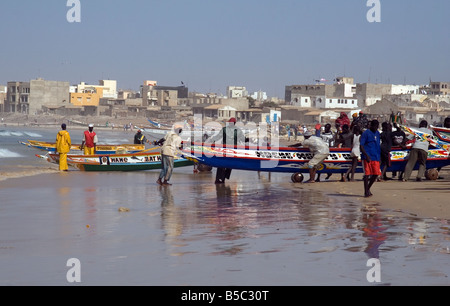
x: 117, y: 162
x: 101, y: 149
x: 295, y: 160
x: 442, y: 133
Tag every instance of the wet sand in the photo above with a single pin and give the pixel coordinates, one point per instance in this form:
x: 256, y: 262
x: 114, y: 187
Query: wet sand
x: 198, y: 233
x: 425, y: 199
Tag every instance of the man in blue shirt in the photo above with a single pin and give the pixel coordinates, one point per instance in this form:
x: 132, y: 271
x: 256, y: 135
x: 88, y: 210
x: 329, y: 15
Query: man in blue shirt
x: 371, y: 155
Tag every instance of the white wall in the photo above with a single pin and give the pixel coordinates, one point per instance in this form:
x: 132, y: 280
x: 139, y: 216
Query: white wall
x: 405, y: 89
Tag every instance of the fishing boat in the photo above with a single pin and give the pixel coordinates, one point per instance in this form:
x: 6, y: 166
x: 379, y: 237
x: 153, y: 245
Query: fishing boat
x: 101, y: 149
x: 295, y: 160
x: 442, y: 133
x: 116, y: 162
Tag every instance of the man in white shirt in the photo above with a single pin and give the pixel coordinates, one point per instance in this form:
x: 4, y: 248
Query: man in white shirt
x: 419, y: 152
x: 320, y: 150
x: 172, y: 142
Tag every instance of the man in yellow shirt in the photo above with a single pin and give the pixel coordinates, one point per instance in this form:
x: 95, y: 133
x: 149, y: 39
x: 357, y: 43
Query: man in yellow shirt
x: 63, y: 144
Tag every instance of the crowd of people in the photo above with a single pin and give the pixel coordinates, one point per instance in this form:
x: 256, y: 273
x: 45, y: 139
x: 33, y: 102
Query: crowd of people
x: 360, y: 135
x: 371, y: 146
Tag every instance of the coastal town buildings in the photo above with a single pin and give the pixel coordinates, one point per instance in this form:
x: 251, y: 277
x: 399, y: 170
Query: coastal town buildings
x: 31, y: 97
x: 3, y: 91
x: 322, y: 101
x: 236, y: 92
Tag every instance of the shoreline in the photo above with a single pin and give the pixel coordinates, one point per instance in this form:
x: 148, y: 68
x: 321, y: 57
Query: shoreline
x: 425, y: 199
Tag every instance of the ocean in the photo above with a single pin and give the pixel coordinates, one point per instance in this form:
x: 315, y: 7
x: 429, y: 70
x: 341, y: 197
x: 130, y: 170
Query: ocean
x: 258, y: 229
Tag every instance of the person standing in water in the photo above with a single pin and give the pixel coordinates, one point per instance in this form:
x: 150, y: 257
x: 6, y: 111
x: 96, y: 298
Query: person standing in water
x: 89, y: 143
x: 371, y: 155
x: 63, y: 144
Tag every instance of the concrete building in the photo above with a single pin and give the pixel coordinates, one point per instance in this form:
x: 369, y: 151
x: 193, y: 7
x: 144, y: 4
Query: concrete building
x: 30, y: 97
x: 3, y: 93
x: 439, y: 88
x: 90, y: 96
x: 405, y: 89
x: 259, y: 96
x: 17, y: 98
x: 47, y: 93
x: 108, y: 88
x: 318, y: 95
x: 368, y: 93
x: 224, y: 109
x: 155, y: 95
x: 342, y: 103
x: 302, y: 101
x: 236, y: 92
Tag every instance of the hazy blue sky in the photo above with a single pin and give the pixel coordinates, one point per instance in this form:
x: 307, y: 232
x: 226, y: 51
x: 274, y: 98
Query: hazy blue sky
x: 210, y: 44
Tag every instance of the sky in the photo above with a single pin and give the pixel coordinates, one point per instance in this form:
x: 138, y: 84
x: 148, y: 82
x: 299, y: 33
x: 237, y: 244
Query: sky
x: 211, y: 44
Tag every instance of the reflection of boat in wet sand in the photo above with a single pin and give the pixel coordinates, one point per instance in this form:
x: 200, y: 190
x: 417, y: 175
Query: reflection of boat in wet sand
x: 101, y: 149
x: 116, y: 162
x: 294, y: 160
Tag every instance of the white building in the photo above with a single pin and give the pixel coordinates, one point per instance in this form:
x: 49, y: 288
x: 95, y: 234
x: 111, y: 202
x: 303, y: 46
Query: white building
x: 405, y: 89
x: 302, y: 101
x: 236, y: 92
x: 341, y: 103
x: 109, y: 88
x: 259, y: 96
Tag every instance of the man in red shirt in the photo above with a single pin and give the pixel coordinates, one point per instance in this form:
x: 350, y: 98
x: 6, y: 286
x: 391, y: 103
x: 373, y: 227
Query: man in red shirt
x: 89, y: 142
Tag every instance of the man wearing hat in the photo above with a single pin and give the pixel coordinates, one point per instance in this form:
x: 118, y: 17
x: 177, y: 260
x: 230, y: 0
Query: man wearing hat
x: 318, y: 148
x: 140, y: 138
x: 361, y: 120
x: 231, y: 136
x: 63, y: 144
x: 89, y: 142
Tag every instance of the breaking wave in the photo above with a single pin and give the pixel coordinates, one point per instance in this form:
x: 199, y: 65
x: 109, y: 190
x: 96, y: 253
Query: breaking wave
x: 7, y: 133
x: 5, y: 153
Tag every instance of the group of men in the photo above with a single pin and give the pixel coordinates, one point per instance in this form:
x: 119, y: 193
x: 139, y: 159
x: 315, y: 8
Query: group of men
x: 64, y: 144
x: 374, y: 148
x: 169, y: 146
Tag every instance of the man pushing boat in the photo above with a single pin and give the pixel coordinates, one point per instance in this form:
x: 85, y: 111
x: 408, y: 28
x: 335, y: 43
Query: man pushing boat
x: 318, y: 148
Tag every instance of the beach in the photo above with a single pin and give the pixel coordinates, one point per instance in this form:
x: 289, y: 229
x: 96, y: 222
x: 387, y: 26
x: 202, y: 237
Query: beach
x: 258, y: 229
x: 427, y: 199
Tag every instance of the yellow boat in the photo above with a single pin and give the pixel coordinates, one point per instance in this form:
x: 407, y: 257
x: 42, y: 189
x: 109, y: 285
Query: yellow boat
x: 101, y: 149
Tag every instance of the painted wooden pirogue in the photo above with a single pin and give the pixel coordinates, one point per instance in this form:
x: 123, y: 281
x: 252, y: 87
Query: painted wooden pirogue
x: 116, y: 162
x: 101, y: 149
x: 442, y: 133
x: 294, y: 160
